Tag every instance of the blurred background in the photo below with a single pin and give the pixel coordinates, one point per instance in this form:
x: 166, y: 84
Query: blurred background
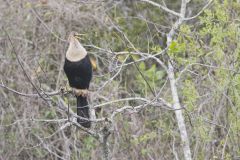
x: 206, y: 62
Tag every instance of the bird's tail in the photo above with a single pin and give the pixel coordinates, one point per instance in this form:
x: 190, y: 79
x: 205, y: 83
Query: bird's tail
x: 83, y: 111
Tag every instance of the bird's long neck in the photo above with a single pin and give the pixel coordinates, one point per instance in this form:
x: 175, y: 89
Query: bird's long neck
x: 76, y: 51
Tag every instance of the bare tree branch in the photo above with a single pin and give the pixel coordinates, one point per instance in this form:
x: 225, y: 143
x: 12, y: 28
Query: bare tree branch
x: 177, y: 105
x: 21, y: 65
x: 200, y: 12
x: 162, y: 7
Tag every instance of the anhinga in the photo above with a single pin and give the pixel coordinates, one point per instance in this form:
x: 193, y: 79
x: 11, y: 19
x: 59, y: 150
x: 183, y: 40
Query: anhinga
x: 78, y: 69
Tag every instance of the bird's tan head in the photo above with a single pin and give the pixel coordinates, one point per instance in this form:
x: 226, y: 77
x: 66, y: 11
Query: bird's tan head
x: 75, y: 50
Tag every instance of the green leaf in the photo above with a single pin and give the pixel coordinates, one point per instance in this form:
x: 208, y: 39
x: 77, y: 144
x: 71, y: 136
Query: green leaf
x: 142, y: 66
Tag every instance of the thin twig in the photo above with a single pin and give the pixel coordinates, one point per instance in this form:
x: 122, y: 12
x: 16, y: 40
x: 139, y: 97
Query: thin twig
x: 162, y: 7
x: 45, y: 25
x: 143, y: 76
x: 202, y: 10
x: 19, y: 62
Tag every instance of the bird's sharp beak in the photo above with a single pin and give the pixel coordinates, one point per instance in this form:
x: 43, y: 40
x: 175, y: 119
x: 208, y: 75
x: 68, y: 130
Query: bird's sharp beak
x: 78, y: 35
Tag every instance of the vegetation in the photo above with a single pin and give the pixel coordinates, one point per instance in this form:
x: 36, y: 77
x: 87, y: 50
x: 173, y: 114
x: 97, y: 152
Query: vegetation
x: 134, y: 45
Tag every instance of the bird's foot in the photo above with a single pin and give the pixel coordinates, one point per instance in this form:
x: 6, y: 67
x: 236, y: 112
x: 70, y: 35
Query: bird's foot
x: 66, y: 89
x: 80, y: 92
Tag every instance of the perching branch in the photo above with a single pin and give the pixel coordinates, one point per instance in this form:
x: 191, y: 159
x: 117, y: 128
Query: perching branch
x: 43, y: 93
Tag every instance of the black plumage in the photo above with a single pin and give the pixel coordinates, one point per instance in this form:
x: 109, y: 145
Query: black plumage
x: 79, y: 74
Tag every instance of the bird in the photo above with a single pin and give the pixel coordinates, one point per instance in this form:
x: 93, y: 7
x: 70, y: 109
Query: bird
x: 78, y: 69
